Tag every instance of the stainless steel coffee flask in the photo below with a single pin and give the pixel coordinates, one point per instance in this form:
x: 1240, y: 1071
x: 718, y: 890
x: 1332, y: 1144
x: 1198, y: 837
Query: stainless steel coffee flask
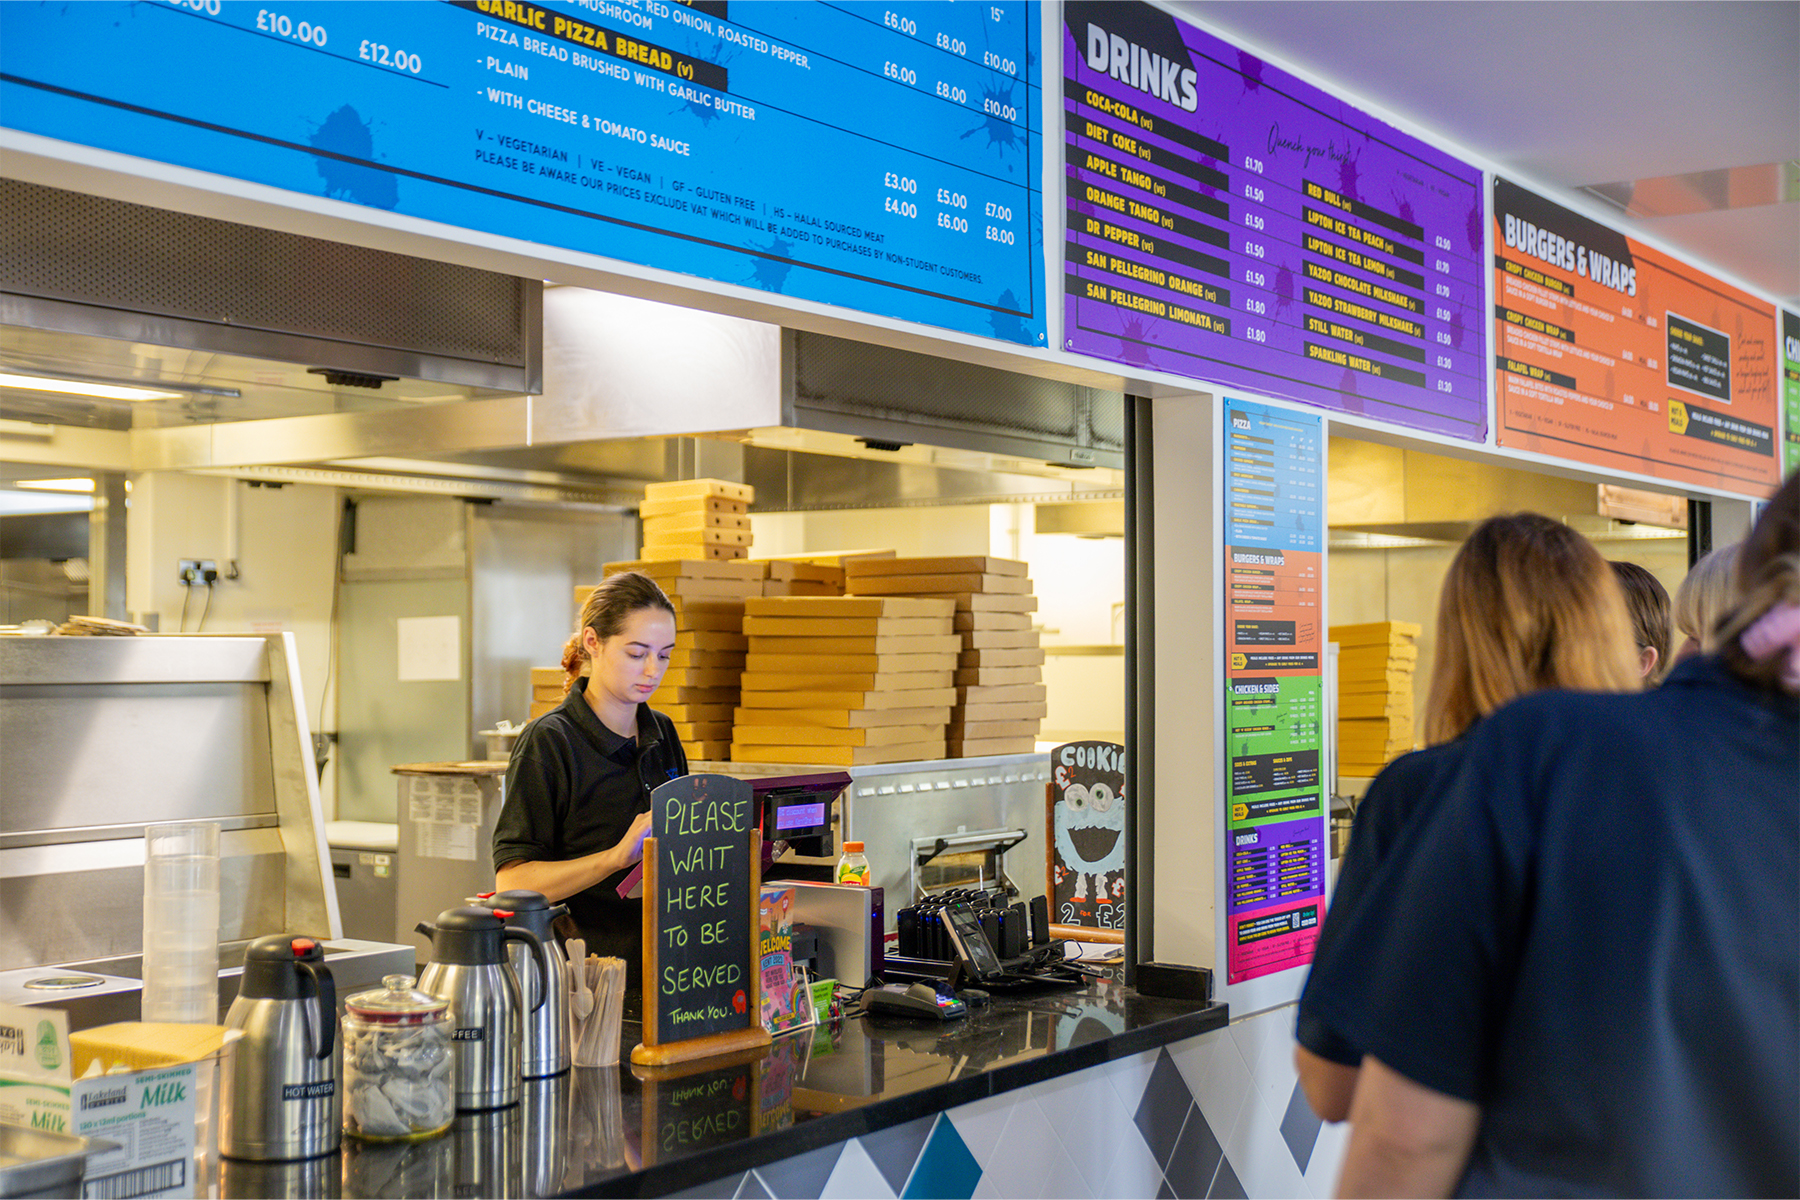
x: 282, y: 1098
x: 547, y: 1049
x: 469, y: 970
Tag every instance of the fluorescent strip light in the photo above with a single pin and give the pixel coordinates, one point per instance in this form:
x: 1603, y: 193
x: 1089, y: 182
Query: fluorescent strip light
x: 76, y: 387
x: 56, y: 485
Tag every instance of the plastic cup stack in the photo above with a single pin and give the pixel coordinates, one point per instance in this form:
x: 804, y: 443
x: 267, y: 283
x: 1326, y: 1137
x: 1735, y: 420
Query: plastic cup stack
x: 181, y: 922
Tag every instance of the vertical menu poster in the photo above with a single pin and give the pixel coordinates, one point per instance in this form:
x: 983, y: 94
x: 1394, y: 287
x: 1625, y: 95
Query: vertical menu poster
x: 1229, y: 222
x: 883, y: 158
x: 1611, y: 353
x: 1790, y: 390
x: 1274, y: 705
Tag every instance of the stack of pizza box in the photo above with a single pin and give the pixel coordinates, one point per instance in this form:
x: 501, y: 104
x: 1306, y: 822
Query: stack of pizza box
x: 547, y: 690
x: 793, y: 577
x: 696, y: 518
x: 1376, y: 662
x: 700, y: 688
x: 1000, y: 694
x: 845, y: 680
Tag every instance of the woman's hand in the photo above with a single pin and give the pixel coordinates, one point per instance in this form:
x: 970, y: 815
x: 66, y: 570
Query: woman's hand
x: 631, y: 846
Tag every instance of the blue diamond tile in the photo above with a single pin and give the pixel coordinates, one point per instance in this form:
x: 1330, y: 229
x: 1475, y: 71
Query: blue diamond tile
x: 1300, y: 1128
x: 1197, y: 1154
x: 896, y: 1149
x: 945, y: 1170
x: 754, y: 1189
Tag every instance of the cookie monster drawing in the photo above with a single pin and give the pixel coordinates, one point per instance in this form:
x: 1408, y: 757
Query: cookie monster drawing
x: 1087, y: 818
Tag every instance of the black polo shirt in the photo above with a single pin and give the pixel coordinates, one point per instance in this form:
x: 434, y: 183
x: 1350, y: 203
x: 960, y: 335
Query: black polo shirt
x: 573, y: 787
x: 1596, y: 938
x: 1405, y: 789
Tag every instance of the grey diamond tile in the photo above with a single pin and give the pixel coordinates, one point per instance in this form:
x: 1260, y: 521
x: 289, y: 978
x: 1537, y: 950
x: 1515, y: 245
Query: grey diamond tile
x: 895, y: 1150
x: 1163, y: 1108
x: 1300, y: 1128
x: 802, y: 1177
x: 1225, y: 1184
x: 754, y: 1189
x: 1164, y: 1193
x: 1197, y: 1156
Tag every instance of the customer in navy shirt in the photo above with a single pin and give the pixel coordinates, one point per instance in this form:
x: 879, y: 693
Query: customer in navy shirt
x: 1588, y: 977
x: 1528, y: 603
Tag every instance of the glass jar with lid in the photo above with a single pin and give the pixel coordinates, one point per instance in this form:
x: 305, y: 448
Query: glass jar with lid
x: 397, y: 1063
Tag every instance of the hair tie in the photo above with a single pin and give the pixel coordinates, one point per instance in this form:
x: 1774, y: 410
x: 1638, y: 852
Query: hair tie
x: 1774, y: 633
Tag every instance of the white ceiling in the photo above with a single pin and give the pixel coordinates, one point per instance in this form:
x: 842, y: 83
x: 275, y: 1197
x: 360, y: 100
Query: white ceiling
x: 1568, y: 93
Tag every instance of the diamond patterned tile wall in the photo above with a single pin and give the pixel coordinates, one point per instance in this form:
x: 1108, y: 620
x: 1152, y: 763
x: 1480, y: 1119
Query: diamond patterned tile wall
x: 1217, y: 1116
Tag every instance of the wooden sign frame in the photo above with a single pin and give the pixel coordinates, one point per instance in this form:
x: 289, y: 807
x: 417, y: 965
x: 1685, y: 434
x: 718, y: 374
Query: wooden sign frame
x: 652, y: 1053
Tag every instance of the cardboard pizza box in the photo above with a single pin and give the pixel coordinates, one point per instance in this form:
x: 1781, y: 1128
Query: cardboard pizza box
x: 991, y: 622
x: 821, y: 735
x: 1023, y: 657
x: 761, y: 661
x: 687, y: 489
x: 783, y: 681
x: 939, y: 566
x: 838, y: 756
x: 718, y: 504
x: 836, y: 607
x: 889, y: 585
x: 843, y: 718
x: 921, y: 698
x: 997, y: 676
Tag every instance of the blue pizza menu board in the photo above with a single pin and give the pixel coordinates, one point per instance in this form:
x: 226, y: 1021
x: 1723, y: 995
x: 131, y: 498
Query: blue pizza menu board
x: 883, y: 158
x: 1232, y: 223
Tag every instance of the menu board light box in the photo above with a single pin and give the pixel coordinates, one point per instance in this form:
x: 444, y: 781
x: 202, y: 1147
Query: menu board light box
x: 1229, y: 222
x: 1612, y: 353
x: 1274, y: 703
x: 878, y: 158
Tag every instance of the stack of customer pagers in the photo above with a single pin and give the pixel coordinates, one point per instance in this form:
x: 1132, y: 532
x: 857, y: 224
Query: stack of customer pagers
x: 477, y: 1024
x: 982, y: 939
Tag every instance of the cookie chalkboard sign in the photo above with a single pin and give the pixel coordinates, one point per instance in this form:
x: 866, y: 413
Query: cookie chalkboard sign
x: 702, y: 883
x: 1086, y: 847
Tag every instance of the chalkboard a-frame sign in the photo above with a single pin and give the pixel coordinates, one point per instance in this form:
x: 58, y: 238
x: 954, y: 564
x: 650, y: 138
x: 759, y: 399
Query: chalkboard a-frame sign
x: 702, y: 880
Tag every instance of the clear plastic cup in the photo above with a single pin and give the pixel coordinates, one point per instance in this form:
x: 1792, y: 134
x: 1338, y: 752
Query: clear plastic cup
x: 181, y: 922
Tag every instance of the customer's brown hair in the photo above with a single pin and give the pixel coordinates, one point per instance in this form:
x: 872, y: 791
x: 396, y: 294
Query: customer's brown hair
x: 1768, y: 573
x: 1528, y: 604
x: 1648, y: 602
x: 607, y: 608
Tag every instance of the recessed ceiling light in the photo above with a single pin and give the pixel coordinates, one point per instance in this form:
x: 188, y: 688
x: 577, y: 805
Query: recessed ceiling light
x: 78, y: 387
x: 56, y: 485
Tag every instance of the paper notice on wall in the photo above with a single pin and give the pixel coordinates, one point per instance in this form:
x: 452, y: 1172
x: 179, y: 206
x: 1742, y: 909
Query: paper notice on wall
x: 439, y: 839
x: 429, y: 648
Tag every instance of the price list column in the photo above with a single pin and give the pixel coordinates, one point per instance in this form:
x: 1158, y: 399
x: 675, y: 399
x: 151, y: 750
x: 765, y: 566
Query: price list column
x: 1274, y: 708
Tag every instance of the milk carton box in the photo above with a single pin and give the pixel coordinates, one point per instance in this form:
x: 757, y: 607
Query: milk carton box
x: 149, y: 1089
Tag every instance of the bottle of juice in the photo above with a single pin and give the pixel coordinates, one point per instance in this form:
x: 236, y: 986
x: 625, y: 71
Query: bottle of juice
x: 853, y: 867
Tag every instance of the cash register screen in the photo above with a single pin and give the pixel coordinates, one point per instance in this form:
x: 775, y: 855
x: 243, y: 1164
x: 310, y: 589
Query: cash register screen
x: 807, y: 817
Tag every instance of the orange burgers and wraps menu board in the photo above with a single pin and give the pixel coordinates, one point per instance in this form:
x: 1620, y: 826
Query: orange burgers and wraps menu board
x: 1612, y: 353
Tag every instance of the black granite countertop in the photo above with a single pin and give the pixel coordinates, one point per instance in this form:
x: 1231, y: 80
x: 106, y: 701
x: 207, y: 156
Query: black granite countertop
x: 634, y: 1131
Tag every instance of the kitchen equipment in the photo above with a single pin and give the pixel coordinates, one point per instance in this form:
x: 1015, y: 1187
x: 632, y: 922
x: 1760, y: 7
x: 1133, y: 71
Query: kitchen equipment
x: 546, y: 1049
x: 281, y: 1090
x: 181, y: 922
x: 469, y: 969
x: 38, y: 1162
x: 398, y: 1083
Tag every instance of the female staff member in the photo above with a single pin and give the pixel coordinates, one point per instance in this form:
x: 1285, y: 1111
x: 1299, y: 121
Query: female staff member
x: 1528, y: 604
x: 578, y: 786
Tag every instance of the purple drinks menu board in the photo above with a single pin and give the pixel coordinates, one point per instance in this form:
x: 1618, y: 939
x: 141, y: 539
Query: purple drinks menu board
x: 1231, y: 223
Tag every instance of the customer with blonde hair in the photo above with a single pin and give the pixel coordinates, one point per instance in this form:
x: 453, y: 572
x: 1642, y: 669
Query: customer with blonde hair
x: 1528, y: 604
x: 1587, y: 980
x: 1703, y: 595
